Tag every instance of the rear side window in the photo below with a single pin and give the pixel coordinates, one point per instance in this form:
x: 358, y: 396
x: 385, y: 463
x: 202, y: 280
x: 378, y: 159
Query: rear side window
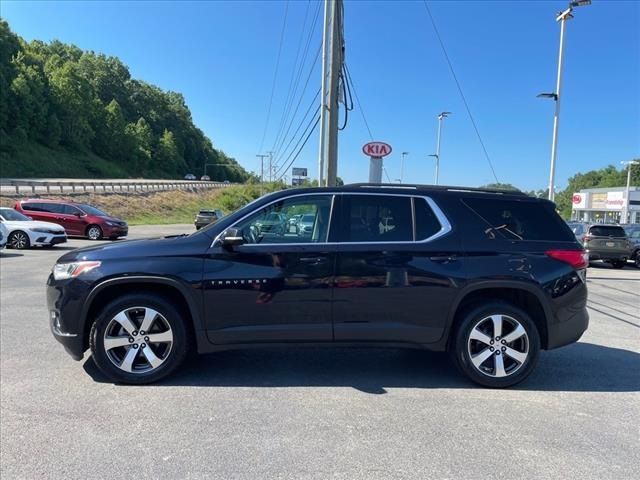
x: 33, y: 207
x: 427, y: 224
x: 520, y: 220
x: 378, y: 218
x: 53, y: 207
x: 606, y: 231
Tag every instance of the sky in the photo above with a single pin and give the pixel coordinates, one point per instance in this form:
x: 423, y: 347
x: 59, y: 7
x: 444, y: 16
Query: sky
x: 222, y: 57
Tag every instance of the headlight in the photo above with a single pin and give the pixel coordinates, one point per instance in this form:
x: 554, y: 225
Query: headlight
x: 112, y: 224
x: 63, y: 271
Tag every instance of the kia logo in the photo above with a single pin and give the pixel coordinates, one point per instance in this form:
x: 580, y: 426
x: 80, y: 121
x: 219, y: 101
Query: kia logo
x: 376, y: 149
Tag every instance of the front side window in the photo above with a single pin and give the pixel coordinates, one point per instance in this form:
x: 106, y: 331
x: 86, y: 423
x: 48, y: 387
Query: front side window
x: 377, y: 218
x: 272, y: 224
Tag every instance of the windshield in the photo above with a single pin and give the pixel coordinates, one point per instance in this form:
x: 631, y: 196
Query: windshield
x: 11, y: 214
x: 273, y: 217
x: 308, y: 218
x: 606, y: 231
x: 88, y: 209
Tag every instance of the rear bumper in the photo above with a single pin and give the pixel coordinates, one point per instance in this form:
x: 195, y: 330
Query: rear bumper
x: 569, y: 331
x: 597, y: 254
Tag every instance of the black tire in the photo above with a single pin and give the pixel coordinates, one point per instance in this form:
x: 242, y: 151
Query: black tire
x: 177, y: 351
x: 460, y: 345
x: 90, y: 232
x: 636, y: 261
x: 18, y: 240
x: 618, y: 264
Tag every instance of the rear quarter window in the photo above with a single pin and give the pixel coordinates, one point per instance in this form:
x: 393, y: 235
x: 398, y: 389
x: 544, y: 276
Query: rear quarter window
x: 427, y: 224
x: 520, y: 219
x: 607, y: 231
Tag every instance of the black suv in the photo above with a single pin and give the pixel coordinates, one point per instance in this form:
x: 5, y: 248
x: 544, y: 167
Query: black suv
x: 492, y: 277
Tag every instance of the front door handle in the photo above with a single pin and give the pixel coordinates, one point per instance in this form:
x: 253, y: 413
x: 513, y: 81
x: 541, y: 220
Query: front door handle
x: 313, y: 260
x: 443, y: 258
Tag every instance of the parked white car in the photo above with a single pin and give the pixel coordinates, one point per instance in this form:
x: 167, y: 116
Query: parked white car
x: 22, y: 232
x: 3, y: 236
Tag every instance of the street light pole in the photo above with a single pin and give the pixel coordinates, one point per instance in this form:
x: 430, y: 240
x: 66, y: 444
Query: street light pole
x: 562, y: 18
x: 625, y: 215
x: 403, y: 154
x: 434, y: 155
x: 441, y: 117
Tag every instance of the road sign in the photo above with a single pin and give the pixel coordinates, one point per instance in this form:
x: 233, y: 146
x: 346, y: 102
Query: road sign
x: 376, y: 149
x: 299, y: 172
x: 297, y: 181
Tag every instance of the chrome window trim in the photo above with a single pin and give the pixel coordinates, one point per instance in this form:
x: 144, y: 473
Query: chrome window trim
x: 445, y: 225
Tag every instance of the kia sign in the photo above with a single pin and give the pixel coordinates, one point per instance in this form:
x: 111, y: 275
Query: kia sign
x: 376, y: 149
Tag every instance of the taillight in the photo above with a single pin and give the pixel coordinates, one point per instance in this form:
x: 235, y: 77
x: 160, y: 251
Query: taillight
x: 576, y: 258
x: 586, y: 238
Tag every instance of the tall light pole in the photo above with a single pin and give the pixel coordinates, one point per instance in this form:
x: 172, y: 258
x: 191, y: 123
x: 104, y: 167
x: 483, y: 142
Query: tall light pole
x: 441, y: 117
x: 562, y: 18
x: 434, y: 155
x: 626, y: 195
x: 403, y: 154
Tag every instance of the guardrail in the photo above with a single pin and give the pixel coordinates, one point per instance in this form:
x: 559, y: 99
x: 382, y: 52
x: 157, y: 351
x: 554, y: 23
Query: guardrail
x: 68, y: 186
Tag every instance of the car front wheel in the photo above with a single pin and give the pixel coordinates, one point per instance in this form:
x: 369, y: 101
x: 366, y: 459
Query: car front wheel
x: 94, y: 232
x: 138, y: 339
x: 18, y: 240
x: 496, y: 345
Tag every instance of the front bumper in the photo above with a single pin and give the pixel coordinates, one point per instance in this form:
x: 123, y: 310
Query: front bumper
x: 113, y: 232
x: 64, y: 304
x: 44, y: 239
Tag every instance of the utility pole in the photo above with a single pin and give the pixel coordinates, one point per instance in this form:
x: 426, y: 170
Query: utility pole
x: 332, y: 59
x: 270, y: 166
x: 627, y: 202
x: 562, y: 18
x: 262, y: 157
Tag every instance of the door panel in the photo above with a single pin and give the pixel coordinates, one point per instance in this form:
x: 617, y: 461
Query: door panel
x: 269, y: 293
x: 277, y: 286
x: 399, y: 290
x: 73, y: 224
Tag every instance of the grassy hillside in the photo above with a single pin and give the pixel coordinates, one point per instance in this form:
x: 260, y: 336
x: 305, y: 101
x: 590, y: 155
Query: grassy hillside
x: 164, y: 207
x: 35, y: 160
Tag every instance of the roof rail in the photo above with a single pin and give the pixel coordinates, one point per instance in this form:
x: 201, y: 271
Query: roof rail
x: 438, y: 187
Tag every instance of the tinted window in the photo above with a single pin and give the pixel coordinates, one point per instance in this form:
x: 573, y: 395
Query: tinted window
x: 34, y: 207
x: 88, y: 209
x: 520, y: 219
x: 69, y: 210
x: 53, y: 207
x: 606, y: 231
x: 427, y: 224
x: 11, y: 214
x: 271, y: 224
x: 377, y: 218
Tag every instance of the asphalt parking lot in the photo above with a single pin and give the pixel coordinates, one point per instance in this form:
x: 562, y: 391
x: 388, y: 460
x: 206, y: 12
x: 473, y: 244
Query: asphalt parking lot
x: 317, y: 413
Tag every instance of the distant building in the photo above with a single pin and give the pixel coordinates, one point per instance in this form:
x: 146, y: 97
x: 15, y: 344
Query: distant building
x: 605, y: 205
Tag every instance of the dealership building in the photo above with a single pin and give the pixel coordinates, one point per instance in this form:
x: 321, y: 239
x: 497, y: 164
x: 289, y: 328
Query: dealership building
x: 606, y: 205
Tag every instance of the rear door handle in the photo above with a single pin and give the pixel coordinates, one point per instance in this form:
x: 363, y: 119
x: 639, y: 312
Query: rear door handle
x: 443, y: 258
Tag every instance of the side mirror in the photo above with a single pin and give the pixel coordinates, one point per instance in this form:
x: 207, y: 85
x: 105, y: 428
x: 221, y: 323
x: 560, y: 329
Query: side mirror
x: 79, y: 214
x: 231, y: 237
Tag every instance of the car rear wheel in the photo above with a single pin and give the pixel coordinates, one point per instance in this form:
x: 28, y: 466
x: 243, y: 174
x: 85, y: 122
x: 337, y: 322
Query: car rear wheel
x: 94, y: 232
x: 496, y: 345
x: 139, y: 339
x: 618, y: 263
x: 636, y: 261
x: 18, y: 240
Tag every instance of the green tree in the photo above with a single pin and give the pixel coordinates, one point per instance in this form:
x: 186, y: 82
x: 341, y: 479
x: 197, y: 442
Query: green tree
x: 166, y: 158
x: 501, y: 186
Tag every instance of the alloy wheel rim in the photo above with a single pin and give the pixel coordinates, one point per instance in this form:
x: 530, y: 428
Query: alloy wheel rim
x: 138, y: 340
x: 94, y: 233
x: 19, y: 240
x: 498, y: 346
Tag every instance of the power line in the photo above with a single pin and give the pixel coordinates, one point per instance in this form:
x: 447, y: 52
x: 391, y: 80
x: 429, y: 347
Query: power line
x: 284, y: 168
x: 295, y: 112
x: 355, y: 94
x: 464, y: 100
x: 291, y: 94
x: 275, y: 75
x: 313, y: 102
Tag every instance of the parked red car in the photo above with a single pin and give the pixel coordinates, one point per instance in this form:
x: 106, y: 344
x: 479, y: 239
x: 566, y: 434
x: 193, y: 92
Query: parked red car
x: 78, y: 219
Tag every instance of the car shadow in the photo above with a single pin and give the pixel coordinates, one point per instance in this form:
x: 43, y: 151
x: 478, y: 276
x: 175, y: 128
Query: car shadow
x: 581, y: 367
x: 9, y: 255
